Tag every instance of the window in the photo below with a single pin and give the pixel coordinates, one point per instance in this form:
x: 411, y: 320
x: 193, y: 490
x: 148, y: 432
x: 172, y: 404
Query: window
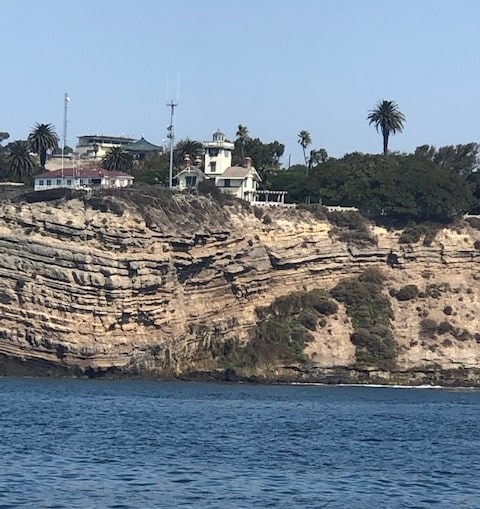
x: 213, y: 152
x: 41, y: 182
x: 81, y: 182
x: 213, y: 167
x: 59, y: 182
x: 49, y: 182
x: 69, y: 182
x: 191, y: 181
x: 226, y: 183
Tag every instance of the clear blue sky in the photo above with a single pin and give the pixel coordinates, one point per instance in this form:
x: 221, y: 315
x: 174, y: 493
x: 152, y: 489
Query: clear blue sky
x: 276, y: 66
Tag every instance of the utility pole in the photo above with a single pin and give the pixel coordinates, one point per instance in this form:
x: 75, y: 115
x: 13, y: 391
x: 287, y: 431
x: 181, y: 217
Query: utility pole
x: 65, y: 123
x: 171, y: 137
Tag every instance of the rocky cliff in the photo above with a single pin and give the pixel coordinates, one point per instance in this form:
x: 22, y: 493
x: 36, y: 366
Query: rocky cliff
x: 155, y: 285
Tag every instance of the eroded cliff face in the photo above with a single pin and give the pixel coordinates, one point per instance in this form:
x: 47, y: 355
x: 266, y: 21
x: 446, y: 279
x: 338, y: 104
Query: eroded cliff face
x: 89, y: 288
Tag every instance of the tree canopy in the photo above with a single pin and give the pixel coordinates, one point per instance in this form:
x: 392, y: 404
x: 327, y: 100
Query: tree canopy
x: 117, y: 159
x: 265, y: 156
x: 186, y: 147
x: 402, y: 186
x: 20, y: 163
x: 43, y: 138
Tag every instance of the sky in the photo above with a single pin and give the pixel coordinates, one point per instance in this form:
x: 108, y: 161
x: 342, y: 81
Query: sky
x: 275, y: 66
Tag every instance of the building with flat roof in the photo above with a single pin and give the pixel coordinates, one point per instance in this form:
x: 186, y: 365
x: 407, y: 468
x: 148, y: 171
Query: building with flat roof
x: 97, y: 146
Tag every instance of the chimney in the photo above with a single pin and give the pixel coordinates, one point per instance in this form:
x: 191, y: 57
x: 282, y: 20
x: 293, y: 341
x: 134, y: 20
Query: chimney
x: 247, y: 162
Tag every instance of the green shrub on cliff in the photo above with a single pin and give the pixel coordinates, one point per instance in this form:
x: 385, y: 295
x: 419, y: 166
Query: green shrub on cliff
x: 351, y: 227
x: 413, y: 232
x: 370, y: 312
x: 407, y: 292
x: 283, y: 330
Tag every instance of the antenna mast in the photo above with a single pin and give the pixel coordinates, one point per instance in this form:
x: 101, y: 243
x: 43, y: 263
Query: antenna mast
x: 171, y: 137
x: 65, y: 123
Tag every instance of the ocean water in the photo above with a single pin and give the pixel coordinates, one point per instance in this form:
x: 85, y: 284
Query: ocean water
x: 130, y: 444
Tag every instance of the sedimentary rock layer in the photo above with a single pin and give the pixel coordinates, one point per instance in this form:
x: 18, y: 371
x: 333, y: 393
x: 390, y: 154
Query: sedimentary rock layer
x: 150, y: 291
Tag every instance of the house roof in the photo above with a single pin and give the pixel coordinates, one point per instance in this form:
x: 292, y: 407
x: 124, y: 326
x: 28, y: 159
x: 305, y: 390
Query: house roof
x: 142, y: 145
x: 238, y: 172
x: 108, y: 139
x: 191, y: 169
x: 83, y: 173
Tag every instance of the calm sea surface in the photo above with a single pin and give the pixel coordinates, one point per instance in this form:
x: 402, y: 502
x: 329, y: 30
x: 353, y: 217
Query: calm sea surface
x: 97, y: 444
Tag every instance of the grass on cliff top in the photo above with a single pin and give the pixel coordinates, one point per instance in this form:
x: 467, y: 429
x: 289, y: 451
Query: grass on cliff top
x: 155, y: 205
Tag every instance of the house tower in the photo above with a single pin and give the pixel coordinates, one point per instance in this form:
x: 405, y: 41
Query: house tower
x: 218, y: 155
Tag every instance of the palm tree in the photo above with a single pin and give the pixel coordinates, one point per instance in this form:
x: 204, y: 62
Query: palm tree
x: 387, y: 118
x: 43, y: 138
x: 187, y: 147
x: 20, y: 163
x: 317, y: 157
x: 117, y: 159
x: 242, y: 136
x: 305, y: 140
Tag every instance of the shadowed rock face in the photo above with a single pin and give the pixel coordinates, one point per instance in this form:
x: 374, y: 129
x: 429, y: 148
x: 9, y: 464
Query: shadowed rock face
x: 117, y: 289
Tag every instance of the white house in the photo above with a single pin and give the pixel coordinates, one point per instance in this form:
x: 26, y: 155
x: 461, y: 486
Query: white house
x: 235, y: 180
x: 77, y: 178
x: 240, y: 181
x: 190, y: 176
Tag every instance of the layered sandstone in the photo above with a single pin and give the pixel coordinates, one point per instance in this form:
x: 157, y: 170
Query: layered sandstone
x: 151, y: 289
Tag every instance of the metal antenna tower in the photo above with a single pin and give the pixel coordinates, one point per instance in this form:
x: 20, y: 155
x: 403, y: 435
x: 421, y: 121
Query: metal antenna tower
x: 171, y: 136
x: 65, y: 123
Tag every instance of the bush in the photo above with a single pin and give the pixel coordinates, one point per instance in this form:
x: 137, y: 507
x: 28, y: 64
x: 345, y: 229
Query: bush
x: 351, y: 227
x: 433, y: 291
x: 407, y: 292
x: 446, y: 328
x: 308, y: 320
x: 374, y: 345
x: 413, y: 232
x: 372, y: 275
x: 315, y: 209
x: 283, y: 329
x: 325, y: 306
x: 370, y: 312
x: 448, y: 310
x: 428, y: 328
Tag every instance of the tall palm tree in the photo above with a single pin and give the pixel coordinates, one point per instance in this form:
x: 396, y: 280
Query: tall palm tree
x: 387, y: 118
x: 43, y: 138
x: 20, y: 163
x: 242, y: 136
x: 187, y: 146
x: 117, y: 159
x: 305, y: 140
